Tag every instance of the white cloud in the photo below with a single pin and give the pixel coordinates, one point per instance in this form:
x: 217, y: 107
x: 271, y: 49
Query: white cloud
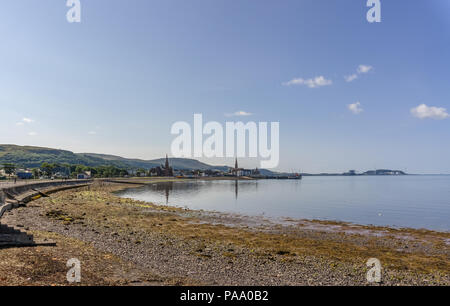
x: 239, y: 114
x: 351, y: 78
x: 364, y: 69
x: 355, y: 108
x: 27, y: 120
x: 311, y: 83
x: 24, y: 121
x: 32, y: 134
x: 92, y: 132
x: 424, y: 111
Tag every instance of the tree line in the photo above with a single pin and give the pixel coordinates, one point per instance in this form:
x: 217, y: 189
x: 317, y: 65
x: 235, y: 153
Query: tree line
x: 67, y: 170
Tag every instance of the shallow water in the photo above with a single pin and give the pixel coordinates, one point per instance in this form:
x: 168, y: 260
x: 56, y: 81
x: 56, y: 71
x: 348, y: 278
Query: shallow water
x: 400, y: 201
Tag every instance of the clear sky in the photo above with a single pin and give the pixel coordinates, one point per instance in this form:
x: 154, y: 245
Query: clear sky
x: 116, y: 82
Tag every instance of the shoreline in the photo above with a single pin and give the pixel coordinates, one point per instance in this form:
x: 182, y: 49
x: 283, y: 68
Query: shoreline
x: 281, y: 220
x: 185, y: 247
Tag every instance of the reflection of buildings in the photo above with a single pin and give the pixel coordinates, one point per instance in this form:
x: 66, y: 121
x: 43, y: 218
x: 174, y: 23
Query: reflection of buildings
x: 166, y: 187
x: 188, y: 191
x: 245, y: 187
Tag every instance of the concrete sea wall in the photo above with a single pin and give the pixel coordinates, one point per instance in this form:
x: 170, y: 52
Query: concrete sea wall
x: 11, y: 197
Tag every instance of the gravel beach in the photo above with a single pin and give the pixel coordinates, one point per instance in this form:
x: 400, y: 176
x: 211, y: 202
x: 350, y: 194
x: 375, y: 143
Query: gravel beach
x: 127, y: 242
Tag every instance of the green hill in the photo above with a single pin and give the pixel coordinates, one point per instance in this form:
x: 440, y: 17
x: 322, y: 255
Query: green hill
x: 32, y: 157
x: 26, y: 156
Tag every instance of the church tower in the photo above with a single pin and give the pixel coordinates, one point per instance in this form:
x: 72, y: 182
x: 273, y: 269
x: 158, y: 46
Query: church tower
x: 166, y: 166
x: 167, y: 170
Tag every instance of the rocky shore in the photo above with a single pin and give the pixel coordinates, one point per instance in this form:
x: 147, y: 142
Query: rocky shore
x: 126, y: 242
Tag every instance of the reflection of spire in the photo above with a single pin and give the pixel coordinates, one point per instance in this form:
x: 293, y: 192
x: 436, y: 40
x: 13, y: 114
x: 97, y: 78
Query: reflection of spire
x: 168, y: 186
x: 236, y: 189
x: 167, y: 195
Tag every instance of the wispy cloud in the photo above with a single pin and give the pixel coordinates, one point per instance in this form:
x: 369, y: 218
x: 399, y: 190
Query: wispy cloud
x: 351, y: 78
x: 27, y: 120
x: 311, y: 83
x: 362, y: 69
x: 355, y: 108
x: 424, y: 111
x: 92, y: 132
x: 24, y: 121
x: 238, y: 114
x: 32, y: 134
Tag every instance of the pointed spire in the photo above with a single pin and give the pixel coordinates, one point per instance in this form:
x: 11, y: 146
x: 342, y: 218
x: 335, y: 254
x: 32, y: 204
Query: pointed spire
x: 167, y: 162
x: 236, y: 164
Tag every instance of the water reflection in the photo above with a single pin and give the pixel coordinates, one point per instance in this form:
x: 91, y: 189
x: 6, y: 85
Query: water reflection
x: 193, y: 187
x: 410, y: 201
x: 165, y: 188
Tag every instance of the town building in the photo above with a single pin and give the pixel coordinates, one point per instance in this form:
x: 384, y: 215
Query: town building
x: 236, y: 171
x: 163, y: 170
x: 167, y: 170
x: 84, y: 176
x: 24, y: 175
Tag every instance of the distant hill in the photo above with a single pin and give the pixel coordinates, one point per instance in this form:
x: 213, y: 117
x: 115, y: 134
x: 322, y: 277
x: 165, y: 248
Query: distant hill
x: 177, y: 163
x: 32, y: 157
x: 26, y: 156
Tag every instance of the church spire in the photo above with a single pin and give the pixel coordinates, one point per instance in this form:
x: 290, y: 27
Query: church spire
x: 167, y: 170
x: 236, y: 164
x: 167, y: 162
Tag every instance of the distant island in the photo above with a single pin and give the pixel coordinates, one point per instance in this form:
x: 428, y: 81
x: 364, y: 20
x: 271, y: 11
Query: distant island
x: 384, y: 172
x: 353, y: 173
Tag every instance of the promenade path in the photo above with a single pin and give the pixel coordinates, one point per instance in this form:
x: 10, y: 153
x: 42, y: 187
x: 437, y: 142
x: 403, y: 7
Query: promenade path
x: 10, y: 183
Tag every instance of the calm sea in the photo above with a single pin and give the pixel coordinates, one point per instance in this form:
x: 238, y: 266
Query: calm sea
x: 402, y: 201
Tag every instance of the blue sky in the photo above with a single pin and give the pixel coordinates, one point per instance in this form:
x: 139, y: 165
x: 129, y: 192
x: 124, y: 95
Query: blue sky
x: 117, y: 81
